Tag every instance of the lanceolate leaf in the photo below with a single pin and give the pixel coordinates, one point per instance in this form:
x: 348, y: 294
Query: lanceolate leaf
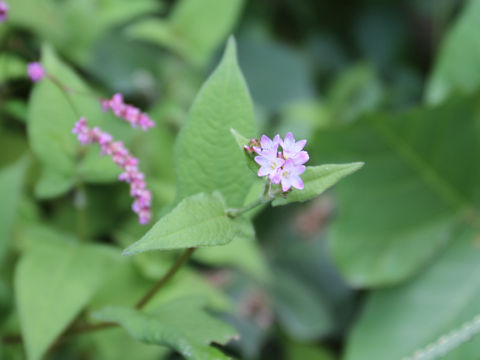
x: 456, y: 67
x: 181, y: 325
x: 199, y: 220
x: 317, y: 179
x: 397, y: 322
x: 422, y: 175
x: 207, y: 157
x: 53, y: 281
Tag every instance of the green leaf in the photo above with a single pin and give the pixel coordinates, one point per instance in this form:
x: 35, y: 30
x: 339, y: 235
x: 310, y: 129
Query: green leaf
x: 195, y: 29
x: 53, y: 281
x: 407, y: 318
x: 10, y: 189
x: 456, y: 67
x: 243, y: 252
x: 317, y: 179
x: 181, y: 325
x: 207, y: 157
x: 241, y: 142
x: 52, y: 183
x: 11, y: 67
x: 422, y: 175
x: 199, y: 220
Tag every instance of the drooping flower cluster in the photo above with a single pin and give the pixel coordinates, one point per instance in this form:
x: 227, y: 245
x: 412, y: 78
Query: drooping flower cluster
x: 122, y: 157
x: 281, y: 167
x: 3, y: 11
x: 35, y: 71
x: 127, y: 112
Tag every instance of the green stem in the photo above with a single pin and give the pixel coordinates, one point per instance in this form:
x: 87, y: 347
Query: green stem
x: 80, y: 203
x: 173, y: 270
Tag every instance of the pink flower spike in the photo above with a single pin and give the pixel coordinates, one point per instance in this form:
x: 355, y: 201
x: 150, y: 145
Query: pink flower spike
x: 3, y: 11
x: 130, y: 113
x: 35, y: 71
x: 290, y: 175
x: 268, y: 145
x: 268, y: 165
x: 121, y: 156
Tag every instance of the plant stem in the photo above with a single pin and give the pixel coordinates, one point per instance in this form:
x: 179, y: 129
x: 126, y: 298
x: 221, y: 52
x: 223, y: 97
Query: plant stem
x: 234, y: 213
x: 173, y: 270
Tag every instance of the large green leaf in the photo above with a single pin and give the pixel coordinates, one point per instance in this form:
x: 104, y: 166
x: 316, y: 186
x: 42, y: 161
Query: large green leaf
x: 399, y: 321
x: 195, y: 29
x: 207, y: 156
x: 10, y: 188
x: 199, y: 220
x: 317, y: 179
x: 181, y: 325
x: 54, y: 280
x: 421, y: 176
x: 456, y: 67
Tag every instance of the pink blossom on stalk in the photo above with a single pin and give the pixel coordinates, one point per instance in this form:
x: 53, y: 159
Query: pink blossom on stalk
x: 284, y: 167
x: 122, y: 157
x: 35, y: 71
x: 127, y: 112
x: 3, y: 11
x: 294, y: 149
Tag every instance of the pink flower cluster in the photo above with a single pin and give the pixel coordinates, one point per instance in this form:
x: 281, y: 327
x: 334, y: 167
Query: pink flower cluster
x: 35, y: 71
x: 122, y: 157
x: 284, y: 167
x: 3, y: 11
x: 128, y: 112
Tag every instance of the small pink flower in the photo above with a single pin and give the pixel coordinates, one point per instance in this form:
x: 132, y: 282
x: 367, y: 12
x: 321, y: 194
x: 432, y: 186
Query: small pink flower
x: 284, y: 167
x: 122, y: 157
x: 35, y: 71
x: 289, y: 175
x: 127, y: 112
x: 3, y: 11
x: 294, y: 149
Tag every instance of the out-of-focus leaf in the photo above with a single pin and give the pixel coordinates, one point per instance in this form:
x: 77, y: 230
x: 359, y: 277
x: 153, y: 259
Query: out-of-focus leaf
x: 421, y: 177
x: 355, y: 92
x: 317, y: 179
x: 194, y: 30
x: 299, y: 351
x: 262, y: 60
x: 298, y: 307
x: 53, y: 281
x: 199, y: 220
x: 52, y: 183
x: 207, y: 157
x: 456, y: 67
x: 409, y: 317
x: 11, y: 180
x: 181, y: 325
x: 11, y: 67
x: 243, y: 252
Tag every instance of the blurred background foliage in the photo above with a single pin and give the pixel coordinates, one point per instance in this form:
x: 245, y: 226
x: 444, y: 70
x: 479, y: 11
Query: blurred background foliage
x: 375, y: 269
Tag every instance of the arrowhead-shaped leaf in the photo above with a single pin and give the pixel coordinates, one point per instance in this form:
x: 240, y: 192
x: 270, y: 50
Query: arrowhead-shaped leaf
x: 199, y: 220
x: 317, y: 179
x: 182, y: 325
x: 421, y: 180
x: 54, y: 280
x: 207, y: 156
